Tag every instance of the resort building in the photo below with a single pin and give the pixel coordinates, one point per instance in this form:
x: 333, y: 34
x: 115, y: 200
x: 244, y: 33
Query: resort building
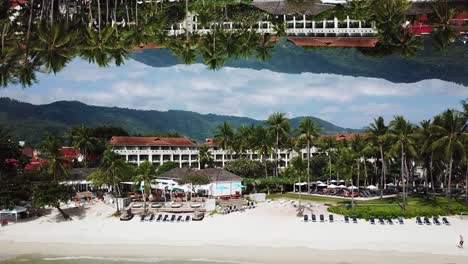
x: 185, y: 152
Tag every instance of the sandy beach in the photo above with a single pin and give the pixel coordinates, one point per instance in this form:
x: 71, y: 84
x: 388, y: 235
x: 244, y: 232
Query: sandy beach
x: 270, y: 233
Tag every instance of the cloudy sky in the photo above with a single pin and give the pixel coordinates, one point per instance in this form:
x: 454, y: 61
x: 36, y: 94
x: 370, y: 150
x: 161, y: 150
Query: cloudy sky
x: 343, y: 100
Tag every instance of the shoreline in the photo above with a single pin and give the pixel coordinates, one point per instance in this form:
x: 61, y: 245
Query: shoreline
x: 217, y: 253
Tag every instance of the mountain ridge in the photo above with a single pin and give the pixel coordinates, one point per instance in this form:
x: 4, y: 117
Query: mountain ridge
x: 30, y: 122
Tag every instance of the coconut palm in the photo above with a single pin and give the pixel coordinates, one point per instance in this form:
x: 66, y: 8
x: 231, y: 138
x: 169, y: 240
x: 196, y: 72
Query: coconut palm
x: 265, y: 49
x: 358, y: 146
x: 112, y: 170
x: 144, y: 175
x: 329, y: 145
x: 262, y: 142
x: 83, y: 140
x: 224, y: 135
x: 308, y: 131
x: 50, y: 150
x: 278, y: 124
x: 213, y: 54
x: 377, y: 132
x: 451, y: 133
x: 205, y: 157
x: 55, y: 45
x: 185, y: 50
x: 97, y: 47
x: 426, y: 152
x: 401, y: 134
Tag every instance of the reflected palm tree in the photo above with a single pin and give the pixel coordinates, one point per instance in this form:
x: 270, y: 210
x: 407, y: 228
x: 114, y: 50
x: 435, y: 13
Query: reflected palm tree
x: 184, y: 50
x: 265, y: 49
x: 97, y: 47
x: 444, y: 35
x: 55, y: 45
x: 212, y: 53
x: 407, y: 44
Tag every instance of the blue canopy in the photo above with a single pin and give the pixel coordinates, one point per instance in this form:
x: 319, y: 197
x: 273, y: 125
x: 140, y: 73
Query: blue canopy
x: 222, y: 188
x: 238, y: 185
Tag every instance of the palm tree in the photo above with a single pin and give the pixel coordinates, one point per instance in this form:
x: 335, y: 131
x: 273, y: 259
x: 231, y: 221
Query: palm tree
x: 112, y: 170
x: 308, y: 131
x: 204, y: 156
x: 377, y: 132
x: 279, y: 126
x: 264, y: 50
x: 262, y: 142
x: 83, y: 140
x: 213, y: 55
x: 50, y: 149
x: 425, y: 141
x: 451, y: 134
x: 224, y: 135
x: 97, y: 47
x: 55, y: 45
x: 444, y: 35
x: 328, y: 144
x: 358, y: 146
x: 185, y: 50
x: 144, y: 175
x: 402, y: 136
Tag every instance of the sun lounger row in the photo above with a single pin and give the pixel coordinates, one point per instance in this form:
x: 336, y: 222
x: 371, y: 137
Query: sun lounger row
x: 233, y: 208
x: 331, y: 218
x: 165, y: 218
x: 435, y: 220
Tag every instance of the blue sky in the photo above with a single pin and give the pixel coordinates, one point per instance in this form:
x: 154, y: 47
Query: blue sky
x: 343, y: 100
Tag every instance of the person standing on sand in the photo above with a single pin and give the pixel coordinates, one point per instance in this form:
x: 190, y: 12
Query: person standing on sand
x: 461, y: 242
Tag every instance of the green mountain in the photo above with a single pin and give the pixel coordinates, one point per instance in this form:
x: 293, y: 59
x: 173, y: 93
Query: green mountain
x: 30, y: 122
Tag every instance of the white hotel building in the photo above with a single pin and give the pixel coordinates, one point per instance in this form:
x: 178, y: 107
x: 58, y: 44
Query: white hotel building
x: 183, y: 151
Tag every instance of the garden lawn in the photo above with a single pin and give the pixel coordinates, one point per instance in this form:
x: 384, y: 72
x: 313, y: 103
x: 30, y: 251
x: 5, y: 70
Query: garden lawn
x: 392, y: 207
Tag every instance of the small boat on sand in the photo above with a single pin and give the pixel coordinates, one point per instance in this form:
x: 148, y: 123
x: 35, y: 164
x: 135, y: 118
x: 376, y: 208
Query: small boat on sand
x: 126, y: 217
x: 176, y: 205
x: 196, y: 205
x: 156, y: 205
x: 198, y: 216
x: 137, y: 205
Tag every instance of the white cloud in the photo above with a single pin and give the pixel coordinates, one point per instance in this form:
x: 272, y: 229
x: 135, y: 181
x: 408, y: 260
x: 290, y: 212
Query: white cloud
x: 242, y: 92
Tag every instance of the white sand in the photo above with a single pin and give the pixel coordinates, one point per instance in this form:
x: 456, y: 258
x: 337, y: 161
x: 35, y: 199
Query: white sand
x: 270, y: 233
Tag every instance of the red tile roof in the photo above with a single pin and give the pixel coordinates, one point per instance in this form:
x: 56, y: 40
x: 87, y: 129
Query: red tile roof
x: 334, y: 42
x: 211, y: 142
x: 148, y: 46
x: 15, y: 3
x: 152, y: 141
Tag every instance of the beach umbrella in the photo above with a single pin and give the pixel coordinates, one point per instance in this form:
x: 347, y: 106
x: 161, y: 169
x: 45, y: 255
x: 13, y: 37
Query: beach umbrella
x: 332, y: 181
x: 352, y: 187
x: 341, y: 181
x: 322, y: 185
x: 332, y: 186
x: 390, y: 184
x: 319, y: 182
x: 372, y: 187
x: 342, y: 186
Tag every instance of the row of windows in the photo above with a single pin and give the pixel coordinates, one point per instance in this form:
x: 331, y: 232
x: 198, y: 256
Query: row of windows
x: 152, y: 148
x: 157, y: 158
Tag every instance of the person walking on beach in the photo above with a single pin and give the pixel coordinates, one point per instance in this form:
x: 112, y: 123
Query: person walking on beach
x: 461, y: 242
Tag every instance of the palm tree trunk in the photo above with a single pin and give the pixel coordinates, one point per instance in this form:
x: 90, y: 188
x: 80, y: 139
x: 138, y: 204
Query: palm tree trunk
x: 99, y: 17
x: 276, y: 153
x: 450, y: 177
x: 107, y: 12
x: 403, y: 176
x: 382, y: 177
x: 308, y: 166
x: 466, y: 185
x: 65, y: 215
x: 358, y: 174
x: 329, y: 164
x: 432, y: 175
x: 29, y: 22
x: 136, y: 12
x: 365, y: 172
x: 51, y: 12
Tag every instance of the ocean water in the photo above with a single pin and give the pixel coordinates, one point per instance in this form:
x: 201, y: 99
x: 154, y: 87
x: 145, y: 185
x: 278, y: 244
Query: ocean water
x: 100, y: 260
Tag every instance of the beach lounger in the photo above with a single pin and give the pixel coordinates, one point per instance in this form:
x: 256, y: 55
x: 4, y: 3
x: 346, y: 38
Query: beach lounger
x: 372, y: 220
x: 187, y: 218
x: 173, y: 217
x: 159, y: 218
x: 389, y: 220
x: 151, y: 219
x: 418, y: 220
x: 306, y: 218
x: 314, y: 219
x: 381, y: 221
x: 346, y: 219
x: 331, y: 219
x: 142, y: 218
x: 400, y: 220
x: 436, y: 221
x: 179, y: 218
x: 445, y: 221
x: 354, y: 219
x: 426, y: 220
x: 166, y: 218
x: 322, y: 218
